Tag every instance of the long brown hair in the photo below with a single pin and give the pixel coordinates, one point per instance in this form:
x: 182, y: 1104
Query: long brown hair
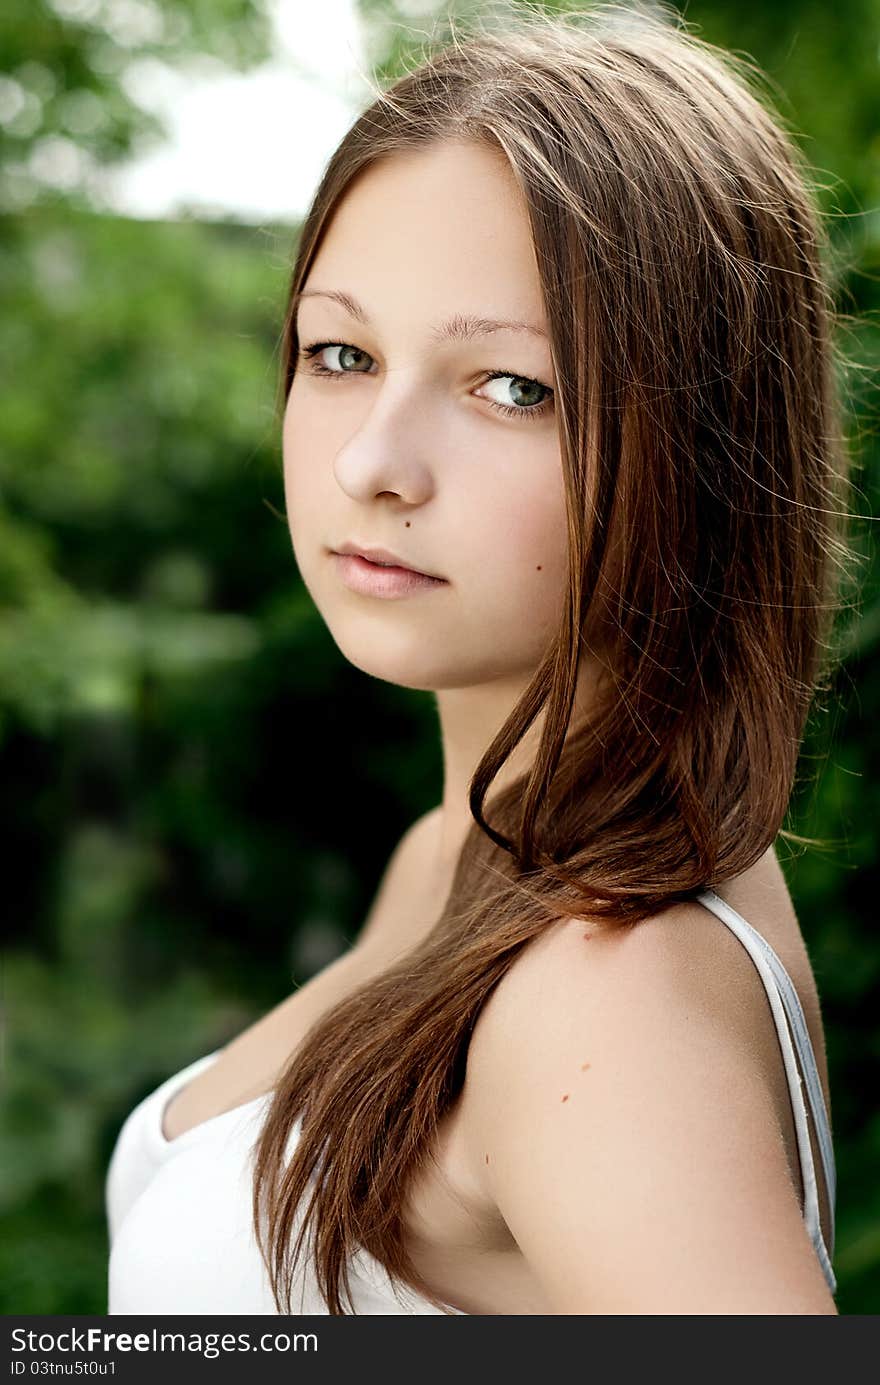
x: 685, y: 273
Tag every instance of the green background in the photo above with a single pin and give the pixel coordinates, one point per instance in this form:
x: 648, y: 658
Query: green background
x: 184, y: 754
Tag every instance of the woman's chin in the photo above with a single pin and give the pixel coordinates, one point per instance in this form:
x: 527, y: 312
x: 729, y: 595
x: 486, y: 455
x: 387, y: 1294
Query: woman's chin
x: 406, y: 668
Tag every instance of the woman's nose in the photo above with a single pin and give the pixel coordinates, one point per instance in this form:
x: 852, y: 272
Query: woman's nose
x: 391, y: 447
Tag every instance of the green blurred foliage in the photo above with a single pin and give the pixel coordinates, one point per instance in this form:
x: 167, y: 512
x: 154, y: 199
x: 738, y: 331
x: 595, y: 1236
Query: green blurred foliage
x: 66, y: 68
x: 185, y: 754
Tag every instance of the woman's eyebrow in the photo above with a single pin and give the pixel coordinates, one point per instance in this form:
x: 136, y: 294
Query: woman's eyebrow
x: 461, y: 327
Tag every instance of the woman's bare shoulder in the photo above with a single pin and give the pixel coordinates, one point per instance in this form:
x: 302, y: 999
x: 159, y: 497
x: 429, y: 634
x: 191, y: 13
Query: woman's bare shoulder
x: 682, y: 945
x: 681, y: 960
x: 630, y: 1077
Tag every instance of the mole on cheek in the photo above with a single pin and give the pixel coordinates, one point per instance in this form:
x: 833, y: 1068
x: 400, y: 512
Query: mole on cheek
x: 584, y: 1067
x: 538, y: 569
x: 567, y: 1095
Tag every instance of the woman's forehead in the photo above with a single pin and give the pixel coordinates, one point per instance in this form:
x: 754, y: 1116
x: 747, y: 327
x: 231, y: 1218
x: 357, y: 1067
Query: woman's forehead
x: 439, y: 234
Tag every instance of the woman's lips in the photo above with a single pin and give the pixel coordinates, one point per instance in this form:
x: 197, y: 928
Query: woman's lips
x: 371, y: 579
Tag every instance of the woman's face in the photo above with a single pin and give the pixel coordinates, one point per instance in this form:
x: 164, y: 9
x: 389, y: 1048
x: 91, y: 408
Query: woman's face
x: 399, y: 444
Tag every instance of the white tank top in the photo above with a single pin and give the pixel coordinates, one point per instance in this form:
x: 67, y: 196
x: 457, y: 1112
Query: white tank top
x: 179, y: 1211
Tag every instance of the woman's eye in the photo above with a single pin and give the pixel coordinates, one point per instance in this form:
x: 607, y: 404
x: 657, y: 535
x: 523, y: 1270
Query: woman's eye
x: 522, y: 389
x: 310, y: 353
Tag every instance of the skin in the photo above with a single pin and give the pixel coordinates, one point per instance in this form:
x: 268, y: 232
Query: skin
x: 631, y: 1129
x: 407, y: 452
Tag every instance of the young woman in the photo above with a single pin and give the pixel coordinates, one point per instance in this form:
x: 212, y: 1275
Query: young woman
x: 561, y: 444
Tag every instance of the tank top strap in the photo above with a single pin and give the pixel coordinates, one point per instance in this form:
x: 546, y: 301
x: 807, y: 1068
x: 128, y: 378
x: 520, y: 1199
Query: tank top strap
x: 789, y: 1019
